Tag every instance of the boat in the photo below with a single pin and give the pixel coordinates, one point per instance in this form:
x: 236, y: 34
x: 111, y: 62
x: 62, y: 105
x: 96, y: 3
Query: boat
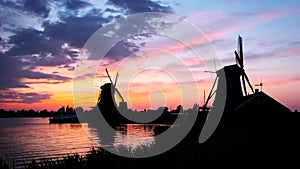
x: 63, y: 115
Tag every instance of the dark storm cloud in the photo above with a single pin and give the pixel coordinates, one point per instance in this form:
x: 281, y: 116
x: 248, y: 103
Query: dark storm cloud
x: 121, y: 50
x: 40, y: 7
x: 9, y: 73
x: 44, y: 48
x: 12, y: 72
x: 57, y: 42
x: 140, y: 6
x: 74, y: 30
x: 76, y: 4
x: 112, y: 10
x: 38, y: 49
x: 38, y: 75
x: 31, y: 48
x: 31, y: 41
x: 14, y: 97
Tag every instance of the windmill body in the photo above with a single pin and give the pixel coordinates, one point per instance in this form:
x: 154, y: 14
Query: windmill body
x: 234, y: 92
x: 106, y: 102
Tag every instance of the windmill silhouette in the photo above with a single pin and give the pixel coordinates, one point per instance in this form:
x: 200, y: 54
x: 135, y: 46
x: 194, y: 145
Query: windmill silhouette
x: 106, y: 99
x: 235, y: 78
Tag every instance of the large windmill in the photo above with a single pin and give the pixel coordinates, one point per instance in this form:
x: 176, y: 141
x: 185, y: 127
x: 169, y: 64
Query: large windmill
x: 106, y: 100
x: 235, y: 79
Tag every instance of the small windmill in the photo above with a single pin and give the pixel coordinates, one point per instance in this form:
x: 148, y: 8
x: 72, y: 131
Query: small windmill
x: 239, y: 58
x: 122, y: 104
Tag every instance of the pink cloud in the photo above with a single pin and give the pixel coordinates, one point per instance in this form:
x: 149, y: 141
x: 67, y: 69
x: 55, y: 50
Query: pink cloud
x: 291, y: 52
x: 269, y: 15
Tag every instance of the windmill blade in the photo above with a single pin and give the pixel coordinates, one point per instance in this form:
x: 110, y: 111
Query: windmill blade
x: 109, y: 76
x: 241, y: 51
x: 113, y: 86
x: 116, y: 79
x: 215, y: 64
x: 249, y: 82
x: 244, y: 85
x: 210, y: 93
x: 237, y: 59
x: 119, y: 94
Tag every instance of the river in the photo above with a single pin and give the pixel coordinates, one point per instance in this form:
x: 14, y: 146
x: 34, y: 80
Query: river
x: 24, y: 139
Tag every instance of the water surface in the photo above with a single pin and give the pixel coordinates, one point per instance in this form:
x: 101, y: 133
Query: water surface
x: 24, y: 139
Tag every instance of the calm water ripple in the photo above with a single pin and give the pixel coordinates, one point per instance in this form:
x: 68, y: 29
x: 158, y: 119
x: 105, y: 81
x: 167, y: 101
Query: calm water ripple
x: 24, y: 139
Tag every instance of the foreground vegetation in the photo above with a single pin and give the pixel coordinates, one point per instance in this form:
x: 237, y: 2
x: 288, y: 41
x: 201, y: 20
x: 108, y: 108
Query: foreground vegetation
x: 3, y: 164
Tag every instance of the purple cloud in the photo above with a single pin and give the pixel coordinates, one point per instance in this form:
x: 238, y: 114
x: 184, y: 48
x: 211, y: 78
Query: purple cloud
x: 14, y: 97
x: 76, y: 4
x: 37, y: 34
x: 39, y: 7
x: 141, y: 6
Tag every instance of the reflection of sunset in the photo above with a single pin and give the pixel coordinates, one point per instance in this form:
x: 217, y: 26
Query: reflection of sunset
x: 62, y: 139
x: 134, y: 135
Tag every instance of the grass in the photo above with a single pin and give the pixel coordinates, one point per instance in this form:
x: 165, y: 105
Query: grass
x: 3, y: 164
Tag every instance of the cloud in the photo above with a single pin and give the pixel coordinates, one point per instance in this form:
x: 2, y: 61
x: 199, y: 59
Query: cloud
x: 39, y: 7
x: 38, y: 75
x: 121, y: 50
x: 51, y: 33
x: 75, y: 30
x: 9, y: 73
x: 12, y: 71
x: 28, y: 98
x: 30, y: 41
x: 275, y: 49
x: 76, y: 4
x: 34, y: 48
x: 4, y: 46
x: 141, y: 6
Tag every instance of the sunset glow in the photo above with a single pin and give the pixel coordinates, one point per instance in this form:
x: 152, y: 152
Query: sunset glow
x: 41, y: 50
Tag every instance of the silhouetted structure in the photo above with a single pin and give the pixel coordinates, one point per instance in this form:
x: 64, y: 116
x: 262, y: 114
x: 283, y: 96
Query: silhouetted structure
x: 64, y: 115
x: 239, y: 103
x: 110, y: 111
x: 260, y: 107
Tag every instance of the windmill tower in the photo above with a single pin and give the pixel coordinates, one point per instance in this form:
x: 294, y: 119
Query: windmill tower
x: 106, y: 99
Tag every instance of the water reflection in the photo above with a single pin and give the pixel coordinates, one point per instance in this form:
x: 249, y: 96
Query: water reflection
x: 130, y: 136
x: 24, y: 139
x: 134, y: 135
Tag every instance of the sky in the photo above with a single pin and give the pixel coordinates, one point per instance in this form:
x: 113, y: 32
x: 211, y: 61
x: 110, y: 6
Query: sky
x: 42, y: 44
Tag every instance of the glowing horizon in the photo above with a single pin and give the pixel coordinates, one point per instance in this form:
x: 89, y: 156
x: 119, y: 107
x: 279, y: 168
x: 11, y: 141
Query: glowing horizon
x: 40, y: 50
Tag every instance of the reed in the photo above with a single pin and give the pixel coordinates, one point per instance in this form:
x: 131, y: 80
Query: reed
x: 3, y: 164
